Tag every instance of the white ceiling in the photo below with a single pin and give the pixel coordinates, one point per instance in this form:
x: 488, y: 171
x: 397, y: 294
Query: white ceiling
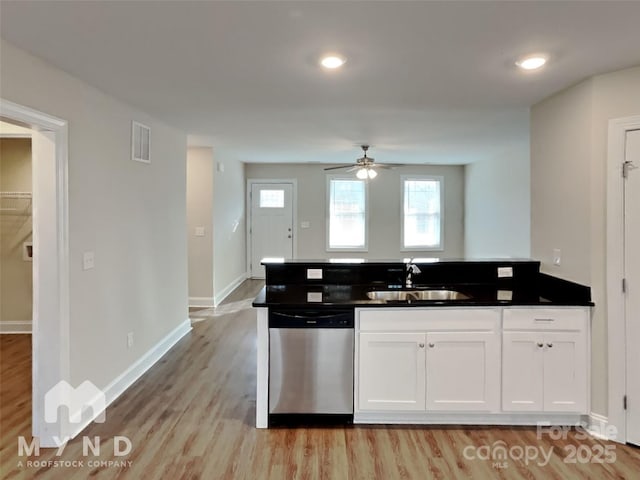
x: 428, y: 82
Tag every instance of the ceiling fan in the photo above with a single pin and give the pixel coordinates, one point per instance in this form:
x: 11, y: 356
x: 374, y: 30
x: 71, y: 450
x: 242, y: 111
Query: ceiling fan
x: 365, y: 166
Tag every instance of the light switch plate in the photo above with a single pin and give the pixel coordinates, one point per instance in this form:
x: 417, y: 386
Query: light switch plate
x: 305, y: 225
x: 314, y: 274
x: 505, y: 272
x: 199, y: 232
x: 88, y: 260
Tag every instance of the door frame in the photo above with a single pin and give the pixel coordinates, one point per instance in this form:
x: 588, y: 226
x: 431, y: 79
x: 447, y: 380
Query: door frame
x: 294, y: 200
x: 616, y: 328
x: 50, y: 327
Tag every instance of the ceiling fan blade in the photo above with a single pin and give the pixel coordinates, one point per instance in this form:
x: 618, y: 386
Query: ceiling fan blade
x: 388, y: 166
x: 337, y: 168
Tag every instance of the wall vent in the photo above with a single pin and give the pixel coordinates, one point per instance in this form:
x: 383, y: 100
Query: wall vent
x: 140, y: 142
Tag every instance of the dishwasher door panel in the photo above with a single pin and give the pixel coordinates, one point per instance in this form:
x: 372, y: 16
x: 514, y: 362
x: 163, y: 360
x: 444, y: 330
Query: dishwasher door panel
x: 311, y: 370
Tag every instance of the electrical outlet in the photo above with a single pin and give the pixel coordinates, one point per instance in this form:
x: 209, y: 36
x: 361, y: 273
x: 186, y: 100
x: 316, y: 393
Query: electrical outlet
x: 556, y: 256
x: 88, y: 260
x: 129, y: 339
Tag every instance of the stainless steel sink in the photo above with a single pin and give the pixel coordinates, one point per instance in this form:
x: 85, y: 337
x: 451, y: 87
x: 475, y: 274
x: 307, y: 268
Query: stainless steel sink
x: 415, y: 295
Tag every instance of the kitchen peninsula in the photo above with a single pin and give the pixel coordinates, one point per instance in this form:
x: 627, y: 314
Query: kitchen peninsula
x: 421, y: 341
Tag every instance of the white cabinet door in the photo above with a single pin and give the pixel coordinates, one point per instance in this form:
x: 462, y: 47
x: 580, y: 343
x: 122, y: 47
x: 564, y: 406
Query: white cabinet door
x: 522, y: 371
x: 463, y: 371
x: 565, y: 372
x: 391, y: 371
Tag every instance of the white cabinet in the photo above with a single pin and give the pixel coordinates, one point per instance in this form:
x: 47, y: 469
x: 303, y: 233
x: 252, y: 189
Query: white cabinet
x: 428, y: 360
x: 545, y: 360
x: 463, y: 371
x: 391, y: 371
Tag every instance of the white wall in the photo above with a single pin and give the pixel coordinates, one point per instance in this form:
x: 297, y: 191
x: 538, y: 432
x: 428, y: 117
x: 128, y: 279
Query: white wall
x: 384, y: 209
x: 229, y: 250
x: 200, y: 215
x: 497, y: 202
x: 568, y: 162
x: 132, y: 215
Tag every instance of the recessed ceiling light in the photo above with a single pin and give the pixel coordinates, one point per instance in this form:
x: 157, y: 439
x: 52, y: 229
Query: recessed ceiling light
x: 532, y: 62
x: 332, y: 61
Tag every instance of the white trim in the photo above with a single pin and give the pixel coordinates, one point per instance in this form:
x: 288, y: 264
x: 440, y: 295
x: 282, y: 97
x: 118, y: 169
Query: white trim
x: 224, y: 293
x: 15, y: 135
x: 422, y: 248
x: 341, y: 176
x: 201, y: 302
x: 452, y: 418
x: 618, y: 129
x: 599, y: 427
x: 16, y: 326
x: 262, y: 374
x: 127, y: 378
x: 50, y: 341
x: 294, y: 205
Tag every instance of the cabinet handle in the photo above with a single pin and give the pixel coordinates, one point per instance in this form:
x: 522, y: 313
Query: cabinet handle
x: 421, y: 345
x: 549, y: 345
x: 540, y: 345
x: 543, y: 319
x: 431, y: 345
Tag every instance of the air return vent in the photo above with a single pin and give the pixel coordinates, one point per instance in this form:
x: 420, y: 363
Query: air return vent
x: 140, y: 142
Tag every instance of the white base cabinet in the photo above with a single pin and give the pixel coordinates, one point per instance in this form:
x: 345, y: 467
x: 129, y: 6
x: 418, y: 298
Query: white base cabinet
x: 472, y: 365
x: 545, y: 360
x: 447, y: 360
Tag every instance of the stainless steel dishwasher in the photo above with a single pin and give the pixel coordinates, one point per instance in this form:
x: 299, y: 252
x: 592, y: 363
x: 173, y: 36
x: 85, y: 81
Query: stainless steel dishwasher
x: 311, y: 365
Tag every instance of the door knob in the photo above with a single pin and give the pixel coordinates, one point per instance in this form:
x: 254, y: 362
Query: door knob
x: 288, y: 236
x: 431, y: 345
x: 540, y: 345
x: 421, y: 345
x: 549, y: 345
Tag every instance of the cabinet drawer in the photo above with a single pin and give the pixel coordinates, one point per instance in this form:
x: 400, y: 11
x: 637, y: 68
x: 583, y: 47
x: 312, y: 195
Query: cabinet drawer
x: 431, y: 319
x: 544, y: 318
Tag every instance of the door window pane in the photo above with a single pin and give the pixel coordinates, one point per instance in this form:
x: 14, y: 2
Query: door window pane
x: 271, y: 198
x: 347, y: 214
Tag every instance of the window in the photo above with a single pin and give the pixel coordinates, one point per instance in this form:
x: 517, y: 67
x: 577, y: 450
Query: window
x: 347, y: 214
x: 422, y: 213
x: 271, y: 198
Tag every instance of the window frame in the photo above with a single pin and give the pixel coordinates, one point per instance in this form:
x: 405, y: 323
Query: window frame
x: 364, y: 248
x: 422, y: 248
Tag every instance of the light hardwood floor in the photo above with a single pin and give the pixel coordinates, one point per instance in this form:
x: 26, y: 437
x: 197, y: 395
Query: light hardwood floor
x: 192, y: 416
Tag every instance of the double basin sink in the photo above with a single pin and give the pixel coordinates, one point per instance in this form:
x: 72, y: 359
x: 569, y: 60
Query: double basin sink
x: 410, y: 296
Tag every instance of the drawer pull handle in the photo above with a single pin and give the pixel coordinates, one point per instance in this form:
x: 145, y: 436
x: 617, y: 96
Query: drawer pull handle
x: 549, y: 345
x: 540, y: 345
x: 421, y: 345
x: 544, y: 320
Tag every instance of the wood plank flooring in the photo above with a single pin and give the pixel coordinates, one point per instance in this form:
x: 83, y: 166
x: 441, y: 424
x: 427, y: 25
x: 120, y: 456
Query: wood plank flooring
x: 192, y: 417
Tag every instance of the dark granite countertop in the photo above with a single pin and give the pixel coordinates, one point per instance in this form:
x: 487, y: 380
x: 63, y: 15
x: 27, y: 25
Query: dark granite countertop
x: 355, y: 296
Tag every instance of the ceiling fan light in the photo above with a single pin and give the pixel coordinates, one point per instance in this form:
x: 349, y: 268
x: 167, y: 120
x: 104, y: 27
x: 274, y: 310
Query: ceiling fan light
x: 372, y: 173
x: 362, y: 174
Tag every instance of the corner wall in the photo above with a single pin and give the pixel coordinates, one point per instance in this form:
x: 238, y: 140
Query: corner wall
x: 200, y: 216
x: 569, y: 135
x: 497, y: 210
x: 131, y: 214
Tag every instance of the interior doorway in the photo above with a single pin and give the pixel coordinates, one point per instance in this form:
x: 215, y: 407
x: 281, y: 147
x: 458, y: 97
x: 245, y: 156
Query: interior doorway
x: 50, y: 250
x: 271, y: 222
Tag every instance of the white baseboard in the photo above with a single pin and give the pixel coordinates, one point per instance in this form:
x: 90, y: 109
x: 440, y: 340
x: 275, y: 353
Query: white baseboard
x: 118, y: 386
x: 224, y: 293
x: 599, y: 427
x: 16, y: 326
x: 206, y: 302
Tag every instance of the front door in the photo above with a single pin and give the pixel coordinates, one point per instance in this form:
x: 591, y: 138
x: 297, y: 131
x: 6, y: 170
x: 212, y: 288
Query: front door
x: 271, y: 229
x: 632, y: 276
